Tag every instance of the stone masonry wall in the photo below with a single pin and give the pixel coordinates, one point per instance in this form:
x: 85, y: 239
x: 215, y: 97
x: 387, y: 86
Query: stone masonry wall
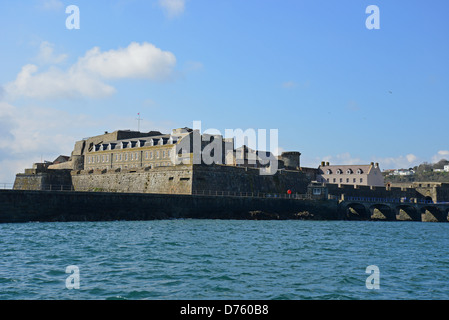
x: 43, y: 180
x: 174, y: 180
x: 372, y: 192
x: 240, y: 179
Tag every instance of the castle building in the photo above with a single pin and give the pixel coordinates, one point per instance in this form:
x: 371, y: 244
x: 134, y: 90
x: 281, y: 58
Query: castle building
x: 183, y: 161
x: 361, y: 175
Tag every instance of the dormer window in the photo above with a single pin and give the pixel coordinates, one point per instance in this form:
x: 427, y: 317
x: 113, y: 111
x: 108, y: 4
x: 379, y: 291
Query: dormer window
x: 339, y: 171
x: 329, y: 171
x: 349, y: 171
x: 359, y: 171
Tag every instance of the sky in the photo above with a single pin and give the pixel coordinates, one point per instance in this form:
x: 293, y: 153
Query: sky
x: 336, y: 89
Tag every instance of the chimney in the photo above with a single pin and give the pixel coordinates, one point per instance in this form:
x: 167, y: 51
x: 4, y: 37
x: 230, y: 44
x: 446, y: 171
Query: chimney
x: 377, y: 165
x: 327, y: 164
x: 372, y: 163
x: 322, y: 163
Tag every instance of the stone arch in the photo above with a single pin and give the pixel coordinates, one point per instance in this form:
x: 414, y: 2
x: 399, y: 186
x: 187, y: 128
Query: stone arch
x: 356, y: 211
x: 407, y: 213
x: 382, y: 212
x: 433, y: 214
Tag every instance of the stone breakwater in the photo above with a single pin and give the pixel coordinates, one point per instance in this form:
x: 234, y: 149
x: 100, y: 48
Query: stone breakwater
x: 43, y: 206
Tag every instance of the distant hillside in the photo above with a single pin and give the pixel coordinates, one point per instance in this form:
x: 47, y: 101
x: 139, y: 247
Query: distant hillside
x: 424, y: 172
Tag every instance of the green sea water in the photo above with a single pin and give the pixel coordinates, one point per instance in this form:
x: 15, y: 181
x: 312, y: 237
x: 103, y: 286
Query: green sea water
x: 224, y: 259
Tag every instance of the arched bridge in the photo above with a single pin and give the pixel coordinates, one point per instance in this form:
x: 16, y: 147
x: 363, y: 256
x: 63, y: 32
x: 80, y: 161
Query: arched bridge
x: 365, y: 208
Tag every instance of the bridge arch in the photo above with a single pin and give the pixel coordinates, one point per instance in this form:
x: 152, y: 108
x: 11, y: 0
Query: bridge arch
x: 356, y: 211
x: 433, y: 214
x: 407, y: 213
x: 380, y: 211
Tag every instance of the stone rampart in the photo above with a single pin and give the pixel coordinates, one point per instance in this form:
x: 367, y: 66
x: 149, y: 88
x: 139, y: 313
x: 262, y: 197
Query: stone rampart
x: 244, y: 179
x: 372, y: 192
x: 25, y: 206
x: 174, y: 180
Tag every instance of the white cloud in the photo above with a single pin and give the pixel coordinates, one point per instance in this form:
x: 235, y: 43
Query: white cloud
x: 47, y: 56
x: 56, y: 83
x: 343, y: 158
x: 407, y: 161
x: 411, y: 158
x: 193, y: 66
x: 172, y: 8
x: 86, y: 77
x: 51, y: 4
x: 31, y: 133
x: 442, y: 154
x: 289, y: 84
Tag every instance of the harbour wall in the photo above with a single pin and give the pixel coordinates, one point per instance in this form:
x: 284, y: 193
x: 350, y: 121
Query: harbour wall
x: 44, y: 206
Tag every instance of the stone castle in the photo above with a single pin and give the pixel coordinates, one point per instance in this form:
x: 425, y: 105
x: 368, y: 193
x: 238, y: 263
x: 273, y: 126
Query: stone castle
x: 183, y: 162
x: 188, y: 162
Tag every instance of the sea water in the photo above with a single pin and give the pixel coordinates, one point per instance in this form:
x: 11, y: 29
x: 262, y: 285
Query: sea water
x: 224, y: 259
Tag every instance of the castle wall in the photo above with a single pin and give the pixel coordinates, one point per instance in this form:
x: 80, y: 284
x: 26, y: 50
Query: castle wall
x: 371, y: 192
x: 241, y: 179
x: 32, y: 180
x: 174, y: 180
x: 24, y: 206
x: 187, y: 179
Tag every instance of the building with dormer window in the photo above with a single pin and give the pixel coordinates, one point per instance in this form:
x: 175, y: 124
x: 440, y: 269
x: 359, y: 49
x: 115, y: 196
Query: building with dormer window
x: 361, y: 175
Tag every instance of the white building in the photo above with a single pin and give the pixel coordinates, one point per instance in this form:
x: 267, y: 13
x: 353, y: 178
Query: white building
x: 362, y: 175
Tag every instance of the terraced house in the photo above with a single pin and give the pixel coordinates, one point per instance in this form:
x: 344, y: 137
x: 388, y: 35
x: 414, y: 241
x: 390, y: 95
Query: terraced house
x: 361, y: 175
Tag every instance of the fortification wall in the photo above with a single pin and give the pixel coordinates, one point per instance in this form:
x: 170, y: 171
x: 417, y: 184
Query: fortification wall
x: 243, y: 179
x: 42, y: 180
x: 176, y: 180
x: 374, y: 192
x: 24, y: 206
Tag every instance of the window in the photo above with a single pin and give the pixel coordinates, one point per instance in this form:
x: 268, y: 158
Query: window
x: 163, y: 154
x: 347, y: 180
x: 361, y: 180
x: 339, y: 171
x: 328, y: 180
x: 132, y: 156
x: 151, y: 155
x: 341, y: 180
x: 335, y: 180
x: 120, y: 158
x: 316, y: 191
x: 354, y: 180
x: 146, y: 155
x: 157, y: 154
x: 168, y: 153
x: 126, y: 157
x: 359, y: 171
x: 349, y: 171
x: 136, y: 156
x: 329, y: 171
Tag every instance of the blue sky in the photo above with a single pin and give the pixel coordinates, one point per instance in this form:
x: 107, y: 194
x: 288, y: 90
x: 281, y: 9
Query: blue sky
x: 335, y: 90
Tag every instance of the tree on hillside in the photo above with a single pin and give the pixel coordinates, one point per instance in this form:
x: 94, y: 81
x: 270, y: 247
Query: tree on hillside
x: 440, y: 164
